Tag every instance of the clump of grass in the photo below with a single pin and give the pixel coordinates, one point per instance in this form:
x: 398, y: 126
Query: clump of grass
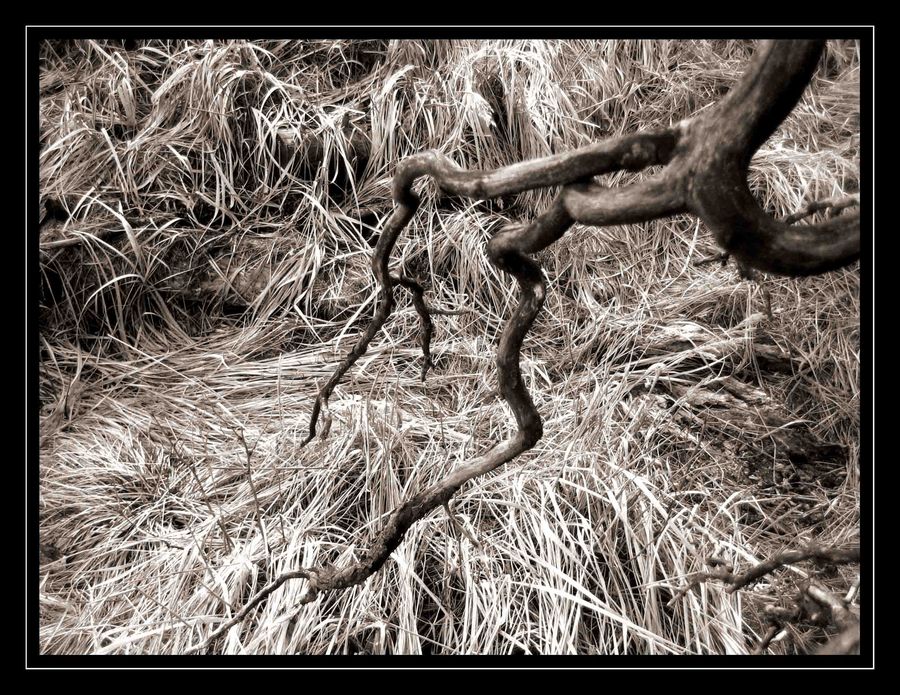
x: 209, y: 217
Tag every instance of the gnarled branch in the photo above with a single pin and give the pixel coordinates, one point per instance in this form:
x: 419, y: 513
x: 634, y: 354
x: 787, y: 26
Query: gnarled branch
x: 846, y: 642
x: 705, y: 172
x: 717, y: 150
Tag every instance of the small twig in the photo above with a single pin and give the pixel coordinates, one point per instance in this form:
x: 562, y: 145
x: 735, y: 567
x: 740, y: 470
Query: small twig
x: 725, y: 572
x: 426, y: 327
x: 721, y: 258
x: 307, y: 597
x: 249, y: 453
x: 720, y: 570
x: 836, y: 556
x: 833, y: 205
x: 454, y: 524
x: 766, y: 639
x: 217, y: 517
x: 459, y: 528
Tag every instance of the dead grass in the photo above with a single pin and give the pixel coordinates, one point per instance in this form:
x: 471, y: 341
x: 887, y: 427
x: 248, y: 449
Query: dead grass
x: 201, y: 286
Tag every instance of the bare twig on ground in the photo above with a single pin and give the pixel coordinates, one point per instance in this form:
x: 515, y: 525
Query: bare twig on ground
x: 838, y: 614
x: 832, y: 205
x: 835, y: 556
x: 725, y: 572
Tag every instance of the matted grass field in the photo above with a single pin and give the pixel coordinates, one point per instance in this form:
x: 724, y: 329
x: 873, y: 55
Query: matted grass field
x: 208, y: 216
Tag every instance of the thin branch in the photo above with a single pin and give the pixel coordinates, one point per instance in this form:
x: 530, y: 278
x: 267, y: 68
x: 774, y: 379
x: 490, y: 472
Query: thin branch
x: 724, y: 571
x: 255, y: 601
x: 721, y: 571
x: 833, y: 205
x: 426, y: 327
x: 425, y: 312
x: 249, y: 454
x: 834, y: 556
x: 766, y: 640
x: 217, y: 517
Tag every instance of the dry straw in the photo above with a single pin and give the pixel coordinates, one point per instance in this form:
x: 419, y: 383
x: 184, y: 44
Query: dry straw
x: 200, y: 281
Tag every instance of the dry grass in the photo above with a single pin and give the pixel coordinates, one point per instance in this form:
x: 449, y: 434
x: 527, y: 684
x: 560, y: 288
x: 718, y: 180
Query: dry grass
x: 202, y: 285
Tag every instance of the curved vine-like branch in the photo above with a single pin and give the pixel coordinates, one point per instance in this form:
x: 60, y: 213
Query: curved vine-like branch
x: 705, y: 172
x: 633, y: 152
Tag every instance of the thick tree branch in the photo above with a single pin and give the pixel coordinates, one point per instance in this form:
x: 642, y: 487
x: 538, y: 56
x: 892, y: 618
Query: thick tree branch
x: 629, y: 152
x: 723, y: 200
x: 659, y: 196
x: 716, y: 149
x: 770, y: 89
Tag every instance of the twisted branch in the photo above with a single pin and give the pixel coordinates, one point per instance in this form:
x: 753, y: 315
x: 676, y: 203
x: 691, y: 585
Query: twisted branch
x: 705, y: 173
x: 838, y: 614
x: 632, y: 152
x: 724, y: 571
x: 834, y: 556
x: 426, y: 327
